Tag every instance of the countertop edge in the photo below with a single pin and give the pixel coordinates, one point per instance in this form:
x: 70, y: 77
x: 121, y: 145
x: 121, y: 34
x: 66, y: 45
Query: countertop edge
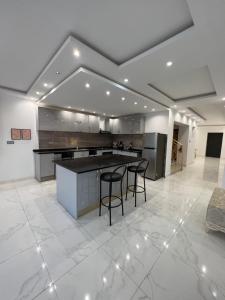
x: 61, y: 150
x: 132, y: 160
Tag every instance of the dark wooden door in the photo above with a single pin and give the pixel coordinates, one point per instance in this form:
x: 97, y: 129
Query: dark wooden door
x: 214, y: 144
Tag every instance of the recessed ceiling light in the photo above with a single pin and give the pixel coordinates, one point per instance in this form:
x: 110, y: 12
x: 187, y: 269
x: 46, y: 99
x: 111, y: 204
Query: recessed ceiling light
x: 153, y: 109
x: 57, y: 73
x: 69, y: 106
x: 87, y: 85
x: 104, y: 114
x: 126, y: 80
x: 38, y: 93
x: 145, y: 106
x: 45, y: 84
x: 76, y: 52
x: 123, y: 98
x: 107, y: 93
x: 223, y: 98
x: 83, y: 109
x: 169, y: 63
x: 135, y: 103
x: 94, y: 112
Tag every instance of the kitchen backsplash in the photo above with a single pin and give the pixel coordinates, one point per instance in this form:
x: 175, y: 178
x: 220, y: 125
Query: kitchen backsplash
x: 64, y: 139
x: 135, y: 139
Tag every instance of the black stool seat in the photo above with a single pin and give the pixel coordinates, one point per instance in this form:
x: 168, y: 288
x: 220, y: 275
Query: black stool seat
x: 111, y: 176
x: 136, y: 169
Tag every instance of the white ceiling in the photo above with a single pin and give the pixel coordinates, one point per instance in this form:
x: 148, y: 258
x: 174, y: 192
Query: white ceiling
x: 188, y: 84
x: 94, y: 98
x: 211, y: 110
x: 116, y: 39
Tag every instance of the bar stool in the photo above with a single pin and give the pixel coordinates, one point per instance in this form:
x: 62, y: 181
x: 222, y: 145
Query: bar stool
x: 111, y: 177
x: 139, y: 169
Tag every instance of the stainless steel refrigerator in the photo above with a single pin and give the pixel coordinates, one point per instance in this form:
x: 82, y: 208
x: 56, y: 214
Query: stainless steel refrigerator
x: 155, y: 152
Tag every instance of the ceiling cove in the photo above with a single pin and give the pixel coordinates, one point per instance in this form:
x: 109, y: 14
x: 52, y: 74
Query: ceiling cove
x: 191, y: 85
x: 80, y: 42
x: 118, y: 30
x: 89, y: 91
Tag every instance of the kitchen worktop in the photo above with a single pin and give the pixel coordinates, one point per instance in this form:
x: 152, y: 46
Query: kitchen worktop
x: 88, y: 164
x: 61, y: 150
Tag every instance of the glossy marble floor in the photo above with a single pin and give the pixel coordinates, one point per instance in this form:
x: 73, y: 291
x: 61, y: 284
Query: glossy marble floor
x: 158, y: 251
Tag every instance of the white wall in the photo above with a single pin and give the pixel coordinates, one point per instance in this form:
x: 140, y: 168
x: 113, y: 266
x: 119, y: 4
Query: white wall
x: 157, y: 122
x: 16, y: 161
x: 202, y: 133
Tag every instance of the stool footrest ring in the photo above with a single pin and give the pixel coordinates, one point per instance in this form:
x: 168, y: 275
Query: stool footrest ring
x: 131, y: 188
x: 112, y: 206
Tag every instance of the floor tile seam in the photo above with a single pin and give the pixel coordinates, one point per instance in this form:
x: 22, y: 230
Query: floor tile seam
x: 45, y: 290
x: 161, y: 253
x: 16, y: 254
x: 191, y: 266
x: 113, y: 234
x: 75, y: 266
x: 37, y: 244
x: 120, y: 268
x: 155, y: 263
x: 138, y: 289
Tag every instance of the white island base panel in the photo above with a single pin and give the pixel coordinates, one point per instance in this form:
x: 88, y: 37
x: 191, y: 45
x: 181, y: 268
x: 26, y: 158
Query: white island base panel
x: 66, y: 189
x: 79, y: 193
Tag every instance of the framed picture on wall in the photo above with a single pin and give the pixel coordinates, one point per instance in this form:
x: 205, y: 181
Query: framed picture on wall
x: 15, y: 134
x: 26, y: 134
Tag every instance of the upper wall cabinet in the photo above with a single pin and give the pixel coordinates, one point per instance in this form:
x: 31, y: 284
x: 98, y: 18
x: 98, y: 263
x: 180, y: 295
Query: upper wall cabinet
x: 79, y: 123
x: 48, y: 119
x: 62, y: 120
x: 132, y: 124
x: 93, y: 124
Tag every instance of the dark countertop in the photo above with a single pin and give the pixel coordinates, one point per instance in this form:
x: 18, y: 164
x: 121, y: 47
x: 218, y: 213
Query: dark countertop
x: 93, y: 163
x: 61, y: 150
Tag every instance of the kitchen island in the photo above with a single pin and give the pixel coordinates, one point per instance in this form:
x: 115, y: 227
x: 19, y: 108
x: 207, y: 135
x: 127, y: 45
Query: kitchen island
x: 77, y: 181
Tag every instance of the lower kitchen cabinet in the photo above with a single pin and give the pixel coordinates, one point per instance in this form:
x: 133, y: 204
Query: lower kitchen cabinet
x: 79, y: 154
x: 128, y: 153
x: 44, y: 166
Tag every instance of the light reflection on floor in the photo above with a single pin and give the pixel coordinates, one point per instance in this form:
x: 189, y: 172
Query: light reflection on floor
x: 157, y: 251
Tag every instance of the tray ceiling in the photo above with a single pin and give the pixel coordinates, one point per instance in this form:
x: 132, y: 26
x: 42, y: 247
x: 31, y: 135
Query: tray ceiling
x: 117, y: 40
x: 102, y: 96
x: 31, y: 31
x: 195, y: 83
